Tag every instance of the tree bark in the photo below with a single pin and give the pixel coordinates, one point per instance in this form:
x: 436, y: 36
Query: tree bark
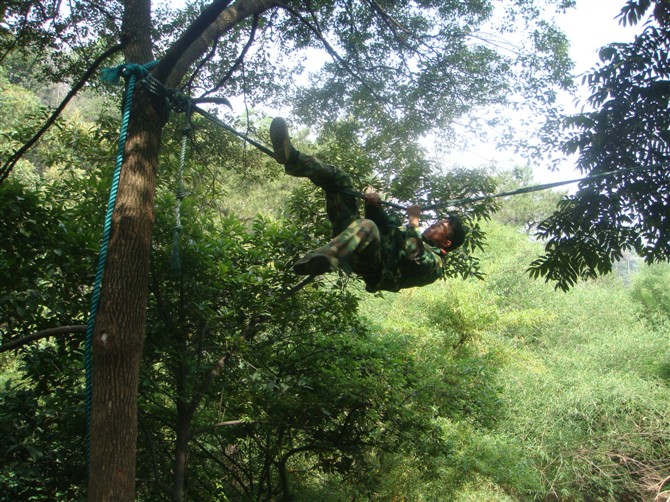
x: 184, y: 412
x: 183, y: 436
x: 118, y: 337
x: 224, y: 22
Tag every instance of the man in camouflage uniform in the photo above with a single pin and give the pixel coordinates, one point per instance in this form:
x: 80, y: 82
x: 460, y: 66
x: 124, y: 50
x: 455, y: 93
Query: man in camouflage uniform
x: 386, y: 254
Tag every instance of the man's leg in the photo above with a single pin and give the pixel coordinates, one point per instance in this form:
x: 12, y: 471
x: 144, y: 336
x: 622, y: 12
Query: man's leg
x: 356, y: 243
x: 341, y: 205
x: 357, y: 249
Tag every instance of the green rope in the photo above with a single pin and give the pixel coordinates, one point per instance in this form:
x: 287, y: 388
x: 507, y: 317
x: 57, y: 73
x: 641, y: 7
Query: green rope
x: 217, y: 121
x: 519, y: 191
x: 130, y: 72
x: 451, y: 203
x: 536, y: 188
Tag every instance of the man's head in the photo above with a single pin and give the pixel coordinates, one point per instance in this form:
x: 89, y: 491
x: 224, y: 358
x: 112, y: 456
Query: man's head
x: 448, y: 234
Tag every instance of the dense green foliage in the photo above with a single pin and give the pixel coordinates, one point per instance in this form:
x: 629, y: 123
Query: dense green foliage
x: 257, y: 386
x: 524, y: 210
x: 401, y: 69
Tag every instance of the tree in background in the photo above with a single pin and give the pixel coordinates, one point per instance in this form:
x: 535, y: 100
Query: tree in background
x: 241, y: 377
x: 247, y: 392
x: 649, y: 289
x: 628, y: 131
x: 526, y: 211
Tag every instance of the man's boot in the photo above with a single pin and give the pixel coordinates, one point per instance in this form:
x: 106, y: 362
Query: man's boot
x: 296, y: 163
x: 281, y: 141
x: 316, y: 263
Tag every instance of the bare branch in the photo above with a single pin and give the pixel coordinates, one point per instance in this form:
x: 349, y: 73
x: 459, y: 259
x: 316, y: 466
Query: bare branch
x: 243, y: 487
x: 392, y: 24
x: 331, y: 50
x: 226, y: 423
x: 63, y: 330
x: 196, y: 71
x: 240, y: 58
x: 660, y: 493
x: 16, y: 156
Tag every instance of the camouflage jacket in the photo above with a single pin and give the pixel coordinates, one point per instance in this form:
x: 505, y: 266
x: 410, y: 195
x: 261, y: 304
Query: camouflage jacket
x: 407, y: 259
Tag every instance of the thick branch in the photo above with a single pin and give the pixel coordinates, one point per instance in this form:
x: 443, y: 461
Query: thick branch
x: 192, y: 33
x: 63, y: 330
x: 206, y: 29
x: 218, y: 425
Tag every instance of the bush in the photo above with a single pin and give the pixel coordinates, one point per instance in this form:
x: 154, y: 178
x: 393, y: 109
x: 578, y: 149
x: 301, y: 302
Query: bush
x: 650, y: 290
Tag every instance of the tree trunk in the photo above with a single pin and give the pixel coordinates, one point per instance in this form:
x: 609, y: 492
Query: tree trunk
x: 283, y: 480
x: 184, y: 411
x: 118, y: 337
x: 181, y: 453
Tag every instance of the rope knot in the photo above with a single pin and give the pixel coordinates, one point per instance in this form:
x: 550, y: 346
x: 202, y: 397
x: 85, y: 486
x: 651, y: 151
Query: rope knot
x: 180, y: 102
x: 130, y: 69
x: 126, y: 70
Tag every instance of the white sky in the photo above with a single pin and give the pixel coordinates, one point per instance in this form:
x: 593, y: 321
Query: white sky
x: 589, y: 26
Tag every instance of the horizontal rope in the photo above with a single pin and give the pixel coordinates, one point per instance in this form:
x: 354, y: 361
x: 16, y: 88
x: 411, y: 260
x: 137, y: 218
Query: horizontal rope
x: 180, y: 98
x: 519, y: 191
x: 536, y: 188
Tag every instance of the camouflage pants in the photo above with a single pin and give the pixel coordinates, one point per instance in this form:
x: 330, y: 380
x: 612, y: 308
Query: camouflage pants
x: 356, y: 243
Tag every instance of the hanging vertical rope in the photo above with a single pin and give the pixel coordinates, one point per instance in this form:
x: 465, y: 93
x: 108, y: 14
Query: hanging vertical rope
x: 130, y: 72
x: 175, y: 261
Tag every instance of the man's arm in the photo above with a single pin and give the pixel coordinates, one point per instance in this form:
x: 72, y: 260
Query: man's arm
x: 414, y: 249
x: 422, y: 265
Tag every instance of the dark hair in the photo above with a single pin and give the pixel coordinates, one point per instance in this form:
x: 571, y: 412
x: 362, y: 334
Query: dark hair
x: 457, y: 232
